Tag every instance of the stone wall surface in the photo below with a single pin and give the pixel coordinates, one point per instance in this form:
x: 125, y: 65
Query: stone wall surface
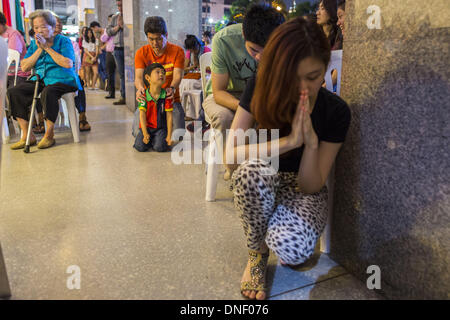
x: 391, y: 202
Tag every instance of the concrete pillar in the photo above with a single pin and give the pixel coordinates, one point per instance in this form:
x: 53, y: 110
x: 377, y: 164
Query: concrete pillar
x: 391, y: 201
x: 86, y: 12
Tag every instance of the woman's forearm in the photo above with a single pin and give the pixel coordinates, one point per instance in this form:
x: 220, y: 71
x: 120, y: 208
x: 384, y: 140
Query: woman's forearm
x: 60, y: 59
x: 235, y: 155
x: 309, y: 176
x: 28, y: 63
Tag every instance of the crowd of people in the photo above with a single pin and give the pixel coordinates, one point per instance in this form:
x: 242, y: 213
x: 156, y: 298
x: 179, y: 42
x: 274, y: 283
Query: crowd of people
x: 266, y: 73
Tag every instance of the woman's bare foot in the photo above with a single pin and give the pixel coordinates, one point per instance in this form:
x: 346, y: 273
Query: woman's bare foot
x: 251, y: 294
x: 49, y: 135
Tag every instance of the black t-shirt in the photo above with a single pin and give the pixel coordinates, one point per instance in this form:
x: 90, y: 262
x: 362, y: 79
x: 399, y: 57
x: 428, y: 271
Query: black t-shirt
x: 330, y: 119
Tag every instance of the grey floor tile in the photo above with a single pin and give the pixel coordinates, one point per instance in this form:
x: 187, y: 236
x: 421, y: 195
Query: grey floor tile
x: 284, y: 279
x: 136, y: 224
x: 345, y: 287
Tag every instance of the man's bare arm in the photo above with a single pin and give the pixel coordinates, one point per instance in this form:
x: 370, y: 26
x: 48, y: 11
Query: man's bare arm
x: 221, y: 95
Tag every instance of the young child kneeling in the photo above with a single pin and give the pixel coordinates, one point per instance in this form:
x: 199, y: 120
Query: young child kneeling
x: 155, y: 127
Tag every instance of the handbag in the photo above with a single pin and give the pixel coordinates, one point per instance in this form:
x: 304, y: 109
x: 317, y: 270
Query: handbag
x: 89, y: 59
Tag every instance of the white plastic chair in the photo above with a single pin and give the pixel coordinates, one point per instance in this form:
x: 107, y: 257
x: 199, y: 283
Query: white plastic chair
x: 68, y: 100
x: 214, y: 145
x: 68, y: 114
x: 205, y: 62
x: 14, y: 56
x: 335, y: 64
x: 191, y: 97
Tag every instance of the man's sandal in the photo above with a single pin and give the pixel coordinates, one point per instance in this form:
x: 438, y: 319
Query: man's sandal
x: 258, y: 265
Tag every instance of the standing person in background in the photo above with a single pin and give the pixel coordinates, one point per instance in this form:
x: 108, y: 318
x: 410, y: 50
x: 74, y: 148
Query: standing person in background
x: 206, y: 38
x: 341, y: 16
x: 98, y: 31
x: 327, y: 20
x: 115, y: 29
x: 110, y: 62
x: 90, y: 60
x: 80, y: 45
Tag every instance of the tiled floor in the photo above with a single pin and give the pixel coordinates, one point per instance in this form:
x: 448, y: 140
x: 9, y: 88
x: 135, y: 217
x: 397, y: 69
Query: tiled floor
x: 136, y: 224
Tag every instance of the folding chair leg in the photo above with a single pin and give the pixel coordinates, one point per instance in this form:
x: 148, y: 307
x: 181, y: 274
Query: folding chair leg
x: 64, y: 110
x: 212, y: 166
x: 73, y: 119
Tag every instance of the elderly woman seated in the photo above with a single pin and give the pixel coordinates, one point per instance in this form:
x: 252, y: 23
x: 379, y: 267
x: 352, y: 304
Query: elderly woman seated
x: 52, y: 56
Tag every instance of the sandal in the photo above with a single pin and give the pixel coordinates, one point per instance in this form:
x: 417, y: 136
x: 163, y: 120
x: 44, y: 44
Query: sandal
x: 39, y: 128
x: 258, y: 265
x: 46, y: 143
x: 84, y: 125
x: 21, y: 144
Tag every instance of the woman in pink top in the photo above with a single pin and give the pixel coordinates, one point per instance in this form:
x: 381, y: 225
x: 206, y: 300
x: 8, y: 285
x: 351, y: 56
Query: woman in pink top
x: 15, y: 42
x: 194, y: 49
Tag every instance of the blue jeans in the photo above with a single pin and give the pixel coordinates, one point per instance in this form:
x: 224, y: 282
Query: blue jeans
x: 178, y: 116
x: 80, y: 99
x: 119, y: 57
x: 102, y: 65
x: 157, y: 140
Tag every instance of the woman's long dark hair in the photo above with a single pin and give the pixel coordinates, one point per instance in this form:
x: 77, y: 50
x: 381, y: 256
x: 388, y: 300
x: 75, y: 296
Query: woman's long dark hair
x: 335, y: 36
x: 276, y: 92
x: 86, y: 36
x: 191, y: 42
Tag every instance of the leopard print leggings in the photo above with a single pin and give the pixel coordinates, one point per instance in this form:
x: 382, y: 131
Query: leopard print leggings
x: 272, y: 209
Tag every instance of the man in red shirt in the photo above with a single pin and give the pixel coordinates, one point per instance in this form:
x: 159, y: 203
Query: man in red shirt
x: 170, y: 56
